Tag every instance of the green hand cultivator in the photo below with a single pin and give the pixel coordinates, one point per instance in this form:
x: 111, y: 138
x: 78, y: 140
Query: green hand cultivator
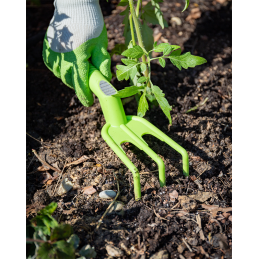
x: 120, y: 128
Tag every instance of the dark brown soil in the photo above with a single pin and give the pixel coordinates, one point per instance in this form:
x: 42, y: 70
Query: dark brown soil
x: 66, y: 131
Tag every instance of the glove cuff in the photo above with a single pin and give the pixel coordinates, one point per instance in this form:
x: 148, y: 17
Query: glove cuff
x: 74, y: 22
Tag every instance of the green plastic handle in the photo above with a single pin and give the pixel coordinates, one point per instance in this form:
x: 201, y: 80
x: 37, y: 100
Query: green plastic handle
x: 111, y: 106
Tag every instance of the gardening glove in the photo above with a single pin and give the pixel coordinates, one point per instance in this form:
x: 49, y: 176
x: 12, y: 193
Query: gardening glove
x: 75, y: 34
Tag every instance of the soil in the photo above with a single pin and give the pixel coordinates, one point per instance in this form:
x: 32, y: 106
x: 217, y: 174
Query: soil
x: 63, y: 131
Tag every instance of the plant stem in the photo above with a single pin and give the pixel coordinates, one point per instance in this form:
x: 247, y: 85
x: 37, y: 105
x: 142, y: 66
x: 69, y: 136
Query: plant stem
x: 139, y: 36
x: 138, y: 5
x: 132, y: 30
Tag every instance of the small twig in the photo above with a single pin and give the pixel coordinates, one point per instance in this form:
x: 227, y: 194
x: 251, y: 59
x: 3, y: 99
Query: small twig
x: 187, y: 245
x: 197, y: 106
x: 198, y: 218
x: 111, y: 204
x: 159, y: 215
x: 45, y: 163
x: 61, y: 173
x: 37, y: 140
x: 37, y: 240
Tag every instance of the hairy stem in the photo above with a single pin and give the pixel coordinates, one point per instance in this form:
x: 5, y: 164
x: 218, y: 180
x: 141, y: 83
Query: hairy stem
x: 138, y: 5
x: 139, y: 35
x: 132, y: 30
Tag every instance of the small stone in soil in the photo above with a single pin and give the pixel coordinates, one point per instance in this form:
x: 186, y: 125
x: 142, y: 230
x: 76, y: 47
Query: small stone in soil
x: 89, y: 190
x: 116, y: 207
x: 113, y: 251
x: 160, y: 255
x: 65, y: 186
x: 107, y: 194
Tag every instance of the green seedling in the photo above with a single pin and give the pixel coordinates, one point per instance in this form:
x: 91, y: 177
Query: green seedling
x: 49, y: 239
x: 120, y: 128
x: 140, y: 45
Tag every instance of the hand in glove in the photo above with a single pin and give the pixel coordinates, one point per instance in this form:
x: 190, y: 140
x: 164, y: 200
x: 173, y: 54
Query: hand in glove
x: 76, y: 34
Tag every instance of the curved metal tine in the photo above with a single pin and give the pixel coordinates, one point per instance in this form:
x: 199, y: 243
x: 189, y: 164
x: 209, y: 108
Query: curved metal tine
x: 121, y: 154
x: 149, y: 128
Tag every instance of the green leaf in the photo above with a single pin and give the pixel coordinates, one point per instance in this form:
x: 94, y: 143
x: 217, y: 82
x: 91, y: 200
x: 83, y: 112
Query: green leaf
x: 135, y: 52
x: 186, y: 60
x: 64, y: 250
x: 167, y: 50
x: 87, y: 251
x: 128, y: 91
x: 143, y: 105
x: 186, y: 5
x: 46, y: 251
x: 174, y: 47
x: 158, y: 13
x: 147, y: 35
x: 44, y: 223
x: 74, y: 240
x: 155, y: 44
x: 62, y: 231
x: 162, y: 62
x: 49, y: 222
x: 163, y: 103
x: 161, y: 47
x: 124, y: 72
x: 143, y: 67
x: 142, y: 79
x: 129, y: 61
x: 49, y: 209
x: 123, y: 3
x: 176, y: 53
x: 149, y: 14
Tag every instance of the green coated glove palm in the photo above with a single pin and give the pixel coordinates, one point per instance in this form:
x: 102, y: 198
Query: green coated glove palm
x: 75, y: 37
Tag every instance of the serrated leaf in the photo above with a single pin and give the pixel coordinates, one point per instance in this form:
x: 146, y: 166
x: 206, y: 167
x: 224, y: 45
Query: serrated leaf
x: 176, y: 53
x: 143, y: 67
x: 124, y: 72
x: 163, y: 103
x: 62, y: 231
x: 129, y: 61
x: 46, y: 251
x: 135, y: 52
x: 123, y: 3
x: 161, y: 47
x: 174, y: 47
x: 64, y: 250
x: 158, y: 13
x: 147, y: 34
x: 49, y: 209
x: 142, y: 79
x: 142, y: 105
x: 87, y: 251
x: 128, y: 91
x: 167, y: 50
x: 162, y: 62
x: 186, y: 5
x: 74, y: 240
x: 187, y: 60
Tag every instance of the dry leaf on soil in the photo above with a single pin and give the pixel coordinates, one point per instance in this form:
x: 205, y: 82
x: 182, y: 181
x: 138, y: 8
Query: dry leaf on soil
x: 46, y: 177
x: 78, y: 161
x: 187, y: 203
x: 215, y: 208
x: 89, y: 190
x: 202, y: 196
x: 42, y: 168
x: 173, y: 195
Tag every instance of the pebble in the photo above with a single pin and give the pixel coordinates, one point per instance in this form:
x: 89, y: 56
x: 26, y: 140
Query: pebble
x: 107, y: 194
x: 113, y: 251
x: 116, y: 207
x: 65, y: 187
x: 193, y: 241
x: 176, y: 20
x: 89, y: 190
x: 160, y: 255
